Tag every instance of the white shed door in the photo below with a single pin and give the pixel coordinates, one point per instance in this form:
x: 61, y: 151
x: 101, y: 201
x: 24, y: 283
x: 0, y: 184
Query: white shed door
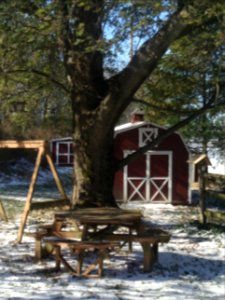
x: 149, y: 178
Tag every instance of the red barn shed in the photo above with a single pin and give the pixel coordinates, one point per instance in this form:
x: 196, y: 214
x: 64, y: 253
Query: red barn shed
x: 159, y: 176
x: 164, y: 175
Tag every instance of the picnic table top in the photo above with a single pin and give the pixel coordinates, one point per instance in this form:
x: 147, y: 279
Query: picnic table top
x: 104, y: 215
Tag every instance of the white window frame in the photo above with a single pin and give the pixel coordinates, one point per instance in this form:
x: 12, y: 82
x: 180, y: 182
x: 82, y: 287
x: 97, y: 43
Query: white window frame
x: 66, y: 154
x: 147, y: 135
x: 148, y: 179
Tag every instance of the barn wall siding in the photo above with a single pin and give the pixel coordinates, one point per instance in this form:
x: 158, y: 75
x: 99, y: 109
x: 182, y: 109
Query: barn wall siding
x: 129, y: 140
x: 172, y: 148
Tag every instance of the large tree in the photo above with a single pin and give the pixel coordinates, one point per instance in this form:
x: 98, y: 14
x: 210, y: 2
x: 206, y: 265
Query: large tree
x: 87, y: 36
x: 184, y: 81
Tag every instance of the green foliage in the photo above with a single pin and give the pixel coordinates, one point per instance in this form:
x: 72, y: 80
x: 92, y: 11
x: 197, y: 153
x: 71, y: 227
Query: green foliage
x: 31, y: 68
x: 33, y: 56
x: 186, y: 80
x: 136, y: 20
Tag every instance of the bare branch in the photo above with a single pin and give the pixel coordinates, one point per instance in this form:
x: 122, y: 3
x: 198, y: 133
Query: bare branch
x: 142, y: 65
x: 40, y: 73
x: 166, y: 108
x: 59, y: 84
x: 147, y: 57
x: 209, y: 106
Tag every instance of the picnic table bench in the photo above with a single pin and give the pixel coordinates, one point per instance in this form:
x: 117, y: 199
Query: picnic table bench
x: 80, y: 247
x: 49, y: 230
x: 84, y: 239
x: 149, y: 240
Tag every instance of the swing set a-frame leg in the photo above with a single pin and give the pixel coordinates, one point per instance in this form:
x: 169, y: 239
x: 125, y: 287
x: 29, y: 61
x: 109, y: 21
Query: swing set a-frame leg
x: 2, y: 212
x: 55, y: 175
x: 30, y: 194
x: 43, y: 151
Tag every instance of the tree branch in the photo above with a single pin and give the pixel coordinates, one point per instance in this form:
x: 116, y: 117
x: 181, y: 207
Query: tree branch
x: 142, y: 65
x: 160, y: 108
x: 51, y: 79
x: 147, y: 57
x: 40, y: 73
x: 210, y: 105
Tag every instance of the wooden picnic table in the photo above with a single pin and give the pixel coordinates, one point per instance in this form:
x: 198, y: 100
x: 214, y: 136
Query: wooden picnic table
x: 97, y: 228
x: 99, y: 216
x: 113, y: 219
x: 85, y: 220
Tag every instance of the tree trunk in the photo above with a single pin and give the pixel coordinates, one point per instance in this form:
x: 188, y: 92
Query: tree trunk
x: 93, y: 162
x: 94, y: 176
x: 94, y: 165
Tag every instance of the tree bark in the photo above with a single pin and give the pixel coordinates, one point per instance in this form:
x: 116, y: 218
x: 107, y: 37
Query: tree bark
x: 97, y: 103
x: 94, y: 166
x: 94, y: 175
x: 93, y: 161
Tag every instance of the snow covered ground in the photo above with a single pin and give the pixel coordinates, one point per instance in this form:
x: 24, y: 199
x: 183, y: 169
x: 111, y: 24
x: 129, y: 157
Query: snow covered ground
x: 190, y: 266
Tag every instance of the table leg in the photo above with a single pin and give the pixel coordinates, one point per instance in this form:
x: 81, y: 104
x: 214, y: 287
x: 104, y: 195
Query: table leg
x: 149, y: 256
x: 38, y: 248
x: 57, y: 254
x: 100, y: 262
x: 155, y: 250
x: 80, y: 258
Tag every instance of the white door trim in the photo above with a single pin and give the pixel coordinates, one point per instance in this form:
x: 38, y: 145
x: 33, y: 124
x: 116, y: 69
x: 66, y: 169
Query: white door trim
x: 148, y: 180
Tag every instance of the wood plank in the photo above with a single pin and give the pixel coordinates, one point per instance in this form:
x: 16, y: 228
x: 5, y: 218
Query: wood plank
x: 217, y: 196
x: 55, y: 174
x: 110, y: 211
x: 29, y: 144
x: 30, y: 194
x: 50, y: 204
x: 102, y: 216
x: 80, y: 245
x: 2, y: 212
x: 215, y: 215
x: 152, y: 239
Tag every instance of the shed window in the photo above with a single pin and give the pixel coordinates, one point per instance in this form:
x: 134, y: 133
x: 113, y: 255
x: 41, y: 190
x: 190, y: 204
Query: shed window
x: 64, y: 153
x: 147, y: 135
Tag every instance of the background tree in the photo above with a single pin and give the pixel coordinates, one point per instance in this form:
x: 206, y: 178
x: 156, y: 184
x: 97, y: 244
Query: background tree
x: 87, y: 39
x: 183, y: 82
x: 33, y: 96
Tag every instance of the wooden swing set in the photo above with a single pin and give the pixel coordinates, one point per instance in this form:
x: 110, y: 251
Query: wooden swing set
x: 2, y: 212
x: 42, y: 147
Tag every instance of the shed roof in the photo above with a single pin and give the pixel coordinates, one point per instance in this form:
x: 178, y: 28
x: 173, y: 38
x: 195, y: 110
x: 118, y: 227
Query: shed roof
x: 61, y: 139
x: 128, y: 126
x: 197, y: 158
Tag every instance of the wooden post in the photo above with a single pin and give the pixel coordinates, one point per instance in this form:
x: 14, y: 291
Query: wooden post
x: 43, y: 149
x: 149, y: 257
x: 55, y: 175
x: 30, y: 194
x: 202, y: 199
x: 2, y: 212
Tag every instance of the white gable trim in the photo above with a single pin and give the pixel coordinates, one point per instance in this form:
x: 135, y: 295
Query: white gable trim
x: 147, y: 134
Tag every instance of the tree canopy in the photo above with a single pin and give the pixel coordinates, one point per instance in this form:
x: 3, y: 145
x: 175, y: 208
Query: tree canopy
x: 72, y: 57
x: 184, y: 82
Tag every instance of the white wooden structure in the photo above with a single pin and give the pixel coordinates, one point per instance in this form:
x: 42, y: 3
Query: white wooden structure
x: 43, y: 151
